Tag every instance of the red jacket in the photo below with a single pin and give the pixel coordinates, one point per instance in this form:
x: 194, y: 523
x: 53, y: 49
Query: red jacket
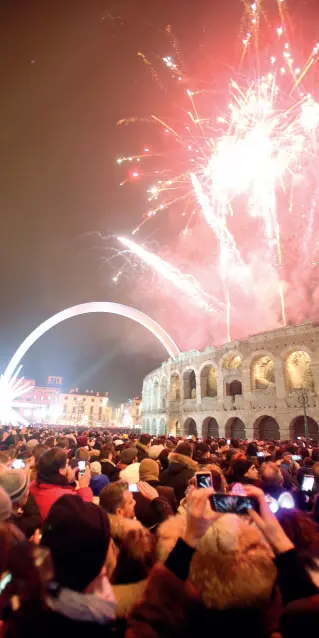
x: 46, y: 494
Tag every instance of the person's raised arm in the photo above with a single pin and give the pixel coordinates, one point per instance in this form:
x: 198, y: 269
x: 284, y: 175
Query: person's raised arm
x: 293, y: 579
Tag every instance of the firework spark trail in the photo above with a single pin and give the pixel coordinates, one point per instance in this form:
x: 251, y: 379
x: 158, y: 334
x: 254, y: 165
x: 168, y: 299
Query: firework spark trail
x: 186, y: 284
x: 261, y: 152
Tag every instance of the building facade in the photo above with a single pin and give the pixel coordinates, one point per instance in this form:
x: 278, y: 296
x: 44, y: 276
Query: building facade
x: 88, y: 409
x: 260, y: 387
x: 41, y: 404
x: 49, y: 404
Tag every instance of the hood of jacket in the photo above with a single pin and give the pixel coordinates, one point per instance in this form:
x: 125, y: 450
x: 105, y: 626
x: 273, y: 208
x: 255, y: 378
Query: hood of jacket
x: 120, y: 526
x: 98, y: 607
x: 179, y: 462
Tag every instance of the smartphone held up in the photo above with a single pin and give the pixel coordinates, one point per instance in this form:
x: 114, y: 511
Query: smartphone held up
x: 233, y: 503
x: 82, y: 467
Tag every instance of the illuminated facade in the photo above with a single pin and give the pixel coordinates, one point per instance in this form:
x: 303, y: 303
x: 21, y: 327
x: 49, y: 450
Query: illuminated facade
x: 42, y: 404
x: 49, y: 404
x: 89, y: 408
x: 259, y: 387
x: 129, y: 414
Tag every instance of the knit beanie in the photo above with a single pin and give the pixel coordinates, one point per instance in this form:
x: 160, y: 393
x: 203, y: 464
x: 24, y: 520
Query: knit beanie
x: 78, y: 535
x: 240, y: 468
x: 149, y: 470
x: 14, y: 482
x: 95, y: 468
x: 185, y: 449
x: 5, y: 505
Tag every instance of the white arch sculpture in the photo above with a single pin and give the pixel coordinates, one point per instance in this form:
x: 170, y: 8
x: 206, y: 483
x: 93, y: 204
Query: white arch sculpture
x: 83, y: 309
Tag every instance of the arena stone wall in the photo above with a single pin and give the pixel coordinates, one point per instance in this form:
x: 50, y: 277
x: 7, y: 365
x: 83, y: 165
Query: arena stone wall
x: 258, y: 387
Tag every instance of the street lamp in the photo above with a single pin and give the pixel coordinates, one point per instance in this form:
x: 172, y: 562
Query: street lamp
x: 303, y: 399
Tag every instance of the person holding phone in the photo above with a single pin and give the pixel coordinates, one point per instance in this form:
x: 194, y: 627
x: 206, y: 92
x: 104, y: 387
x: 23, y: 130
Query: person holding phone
x: 54, y: 479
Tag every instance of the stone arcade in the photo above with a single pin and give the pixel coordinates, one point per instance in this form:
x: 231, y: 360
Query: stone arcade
x: 255, y: 387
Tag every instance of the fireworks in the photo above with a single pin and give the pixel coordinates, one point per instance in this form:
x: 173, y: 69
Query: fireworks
x: 185, y: 284
x: 250, y: 174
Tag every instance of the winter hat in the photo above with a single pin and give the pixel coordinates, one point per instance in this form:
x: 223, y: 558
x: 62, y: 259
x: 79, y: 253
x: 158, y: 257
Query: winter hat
x: 118, y: 442
x: 78, y: 535
x: 240, y: 468
x: 31, y: 444
x: 5, y: 505
x: 131, y: 474
x: 185, y: 449
x: 155, y: 451
x: 202, y: 448
x: 14, y: 482
x: 95, y: 468
x: 233, y: 566
x: 127, y: 456
x: 149, y: 470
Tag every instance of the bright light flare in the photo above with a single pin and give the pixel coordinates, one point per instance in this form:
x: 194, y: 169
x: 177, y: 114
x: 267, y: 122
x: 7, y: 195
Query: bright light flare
x: 11, y: 390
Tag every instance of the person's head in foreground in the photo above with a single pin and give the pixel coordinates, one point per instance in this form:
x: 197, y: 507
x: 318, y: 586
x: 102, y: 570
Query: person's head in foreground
x: 115, y: 498
x: 78, y: 536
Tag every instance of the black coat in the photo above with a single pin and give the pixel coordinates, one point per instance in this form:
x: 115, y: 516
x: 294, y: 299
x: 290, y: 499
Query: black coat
x: 180, y: 470
x: 30, y: 518
x: 110, y: 470
x: 50, y: 624
x: 148, y: 515
x: 142, y: 452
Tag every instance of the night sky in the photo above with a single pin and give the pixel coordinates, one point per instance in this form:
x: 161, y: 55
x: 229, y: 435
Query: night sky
x: 69, y: 71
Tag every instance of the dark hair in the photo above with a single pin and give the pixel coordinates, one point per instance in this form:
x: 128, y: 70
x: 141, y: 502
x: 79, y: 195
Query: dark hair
x: 38, y: 451
x: 50, y: 441
x: 252, y: 448
x: 51, y: 461
x: 234, y: 443
x: 106, y: 450
x: 111, y: 496
x: 63, y: 442
x: 144, y: 439
x: 163, y: 458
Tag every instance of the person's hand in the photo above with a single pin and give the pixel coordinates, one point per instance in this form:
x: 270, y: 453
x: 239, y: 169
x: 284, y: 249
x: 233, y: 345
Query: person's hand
x: 147, y: 491
x: 36, y: 538
x: 199, y: 514
x: 84, y: 479
x: 267, y: 523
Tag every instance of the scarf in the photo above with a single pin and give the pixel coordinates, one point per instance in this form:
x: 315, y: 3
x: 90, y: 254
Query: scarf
x: 98, y: 607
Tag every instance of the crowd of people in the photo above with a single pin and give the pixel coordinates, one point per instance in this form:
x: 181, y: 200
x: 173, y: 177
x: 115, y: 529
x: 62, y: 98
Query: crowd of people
x: 143, y: 537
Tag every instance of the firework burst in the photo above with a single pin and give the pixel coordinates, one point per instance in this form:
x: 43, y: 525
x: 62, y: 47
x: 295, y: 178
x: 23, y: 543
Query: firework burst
x: 253, y: 163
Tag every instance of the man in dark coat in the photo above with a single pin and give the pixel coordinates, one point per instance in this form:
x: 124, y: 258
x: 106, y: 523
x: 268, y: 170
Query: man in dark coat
x: 144, y: 512
x: 180, y: 470
x: 143, y: 445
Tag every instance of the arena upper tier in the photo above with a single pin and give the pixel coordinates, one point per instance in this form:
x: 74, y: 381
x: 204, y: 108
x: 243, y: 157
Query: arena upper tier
x: 256, y: 387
